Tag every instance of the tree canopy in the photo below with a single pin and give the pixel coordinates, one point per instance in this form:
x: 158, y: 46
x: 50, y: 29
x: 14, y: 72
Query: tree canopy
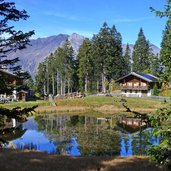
x: 10, y: 38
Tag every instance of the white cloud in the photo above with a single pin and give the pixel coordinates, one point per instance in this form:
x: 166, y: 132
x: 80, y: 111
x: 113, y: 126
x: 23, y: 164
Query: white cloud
x: 131, y: 20
x: 62, y: 15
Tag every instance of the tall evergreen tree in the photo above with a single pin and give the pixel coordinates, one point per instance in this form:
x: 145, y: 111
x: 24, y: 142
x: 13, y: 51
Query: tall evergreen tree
x: 10, y: 39
x: 155, y: 65
x: 56, y: 73
x: 86, y: 65
x: 165, y: 53
x: 108, y: 55
x: 127, y: 59
x: 40, y: 79
x: 16, y: 40
x: 141, y: 53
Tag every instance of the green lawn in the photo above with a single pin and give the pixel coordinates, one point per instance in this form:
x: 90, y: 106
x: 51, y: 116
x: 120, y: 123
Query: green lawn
x: 25, y: 104
x: 93, y: 102
x: 97, y: 101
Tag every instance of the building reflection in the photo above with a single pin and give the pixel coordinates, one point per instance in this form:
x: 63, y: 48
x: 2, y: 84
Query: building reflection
x: 75, y: 135
x: 10, y: 129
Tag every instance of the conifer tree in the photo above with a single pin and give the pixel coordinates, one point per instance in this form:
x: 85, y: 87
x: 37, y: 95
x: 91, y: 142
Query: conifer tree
x: 16, y: 40
x: 141, y: 53
x: 155, y: 65
x: 108, y: 55
x: 40, y: 79
x: 86, y: 65
x: 127, y: 59
x: 11, y: 40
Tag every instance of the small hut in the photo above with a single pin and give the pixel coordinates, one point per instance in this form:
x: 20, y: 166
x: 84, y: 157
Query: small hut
x: 22, y: 95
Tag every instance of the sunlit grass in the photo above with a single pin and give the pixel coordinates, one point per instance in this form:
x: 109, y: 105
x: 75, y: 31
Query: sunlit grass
x: 91, y: 103
x: 98, y: 101
x: 27, y: 104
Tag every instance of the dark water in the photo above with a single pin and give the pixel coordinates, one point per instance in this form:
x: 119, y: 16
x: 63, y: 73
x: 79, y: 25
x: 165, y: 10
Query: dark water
x: 78, y: 136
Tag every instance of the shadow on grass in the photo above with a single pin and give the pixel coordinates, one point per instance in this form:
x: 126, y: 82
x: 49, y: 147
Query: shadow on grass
x: 25, y: 160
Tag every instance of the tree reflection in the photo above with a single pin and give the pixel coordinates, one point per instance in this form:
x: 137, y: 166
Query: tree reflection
x: 94, y: 137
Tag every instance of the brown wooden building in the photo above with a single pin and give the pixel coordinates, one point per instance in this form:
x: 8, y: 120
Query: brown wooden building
x: 138, y: 85
x: 11, y: 80
x: 22, y: 95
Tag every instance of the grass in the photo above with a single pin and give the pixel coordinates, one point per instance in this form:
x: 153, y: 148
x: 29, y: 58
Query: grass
x: 165, y: 93
x: 25, y: 104
x: 32, y: 160
x: 91, y: 103
x: 99, y: 101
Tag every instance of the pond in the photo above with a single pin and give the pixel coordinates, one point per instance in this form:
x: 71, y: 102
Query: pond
x: 76, y: 136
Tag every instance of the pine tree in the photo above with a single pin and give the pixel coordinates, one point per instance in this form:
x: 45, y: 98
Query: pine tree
x: 108, y: 55
x: 141, y: 53
x: 127, y: 59
x: 86, y: 65
x: 165, y: 54
x: 15, y: 40
x: 155, y: 65
x: 40, y: 79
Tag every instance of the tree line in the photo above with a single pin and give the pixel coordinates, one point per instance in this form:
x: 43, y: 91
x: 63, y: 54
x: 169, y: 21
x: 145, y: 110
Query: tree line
x: 100, y: 61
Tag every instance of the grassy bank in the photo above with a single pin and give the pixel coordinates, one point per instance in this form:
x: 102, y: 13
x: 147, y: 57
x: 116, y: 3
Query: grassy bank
x: 25, y: 104
x: 31, y: 160
x: 110, y: 104
x: 91, y: 103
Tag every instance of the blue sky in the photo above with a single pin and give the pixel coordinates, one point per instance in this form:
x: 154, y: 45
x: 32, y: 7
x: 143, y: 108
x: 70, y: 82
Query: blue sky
x: 85, y: 17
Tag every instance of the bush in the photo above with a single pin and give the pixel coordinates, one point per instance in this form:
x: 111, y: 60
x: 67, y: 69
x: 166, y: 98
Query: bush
x: 155, y: 90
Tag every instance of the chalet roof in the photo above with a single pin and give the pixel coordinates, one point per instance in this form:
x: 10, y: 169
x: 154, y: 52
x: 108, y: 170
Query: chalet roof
x: 144, y: 76
x: 22, y: 91
x: 7, y: 72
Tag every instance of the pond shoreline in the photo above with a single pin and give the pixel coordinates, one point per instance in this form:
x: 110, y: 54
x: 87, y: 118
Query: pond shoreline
x: 109, y: 109
x: 32, y: 160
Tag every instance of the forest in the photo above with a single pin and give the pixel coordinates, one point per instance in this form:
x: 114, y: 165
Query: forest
x: 98, y: 64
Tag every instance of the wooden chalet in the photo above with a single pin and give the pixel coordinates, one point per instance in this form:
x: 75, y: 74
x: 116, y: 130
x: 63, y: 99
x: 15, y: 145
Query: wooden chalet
x: 11, y: 80
x: 22, y: 95
x: 137, y: 84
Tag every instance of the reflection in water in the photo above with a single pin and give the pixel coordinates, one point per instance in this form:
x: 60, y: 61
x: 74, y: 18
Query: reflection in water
x: 79, y: 135
x: 10, y: 130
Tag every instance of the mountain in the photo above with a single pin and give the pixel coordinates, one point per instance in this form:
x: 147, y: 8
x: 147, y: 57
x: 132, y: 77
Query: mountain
x: 154, y: 48
x: 41, y: 48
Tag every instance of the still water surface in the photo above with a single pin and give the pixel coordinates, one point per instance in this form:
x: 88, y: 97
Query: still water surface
x: 79, y: 136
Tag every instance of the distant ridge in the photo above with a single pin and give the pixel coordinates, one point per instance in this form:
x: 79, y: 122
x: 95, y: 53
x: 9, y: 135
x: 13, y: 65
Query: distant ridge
x: 155, y: 49
x: 41, y: 48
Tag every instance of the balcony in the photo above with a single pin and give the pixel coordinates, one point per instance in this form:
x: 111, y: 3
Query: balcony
x: 134, y: 87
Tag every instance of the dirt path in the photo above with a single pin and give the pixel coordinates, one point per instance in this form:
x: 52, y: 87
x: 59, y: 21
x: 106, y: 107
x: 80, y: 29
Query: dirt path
x: 16, y: 160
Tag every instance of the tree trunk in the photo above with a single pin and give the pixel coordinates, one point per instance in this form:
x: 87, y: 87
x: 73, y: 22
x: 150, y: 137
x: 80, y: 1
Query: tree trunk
x: 68, y: 85
x: 85, y: 87
x: 61, y: 86
x: 47, y: 72
x: 57, y: 83
x: 64, y: 87
x: 97, y: 86
x: 44, y: 88
x: 53, y: 85
x: 103, y: 83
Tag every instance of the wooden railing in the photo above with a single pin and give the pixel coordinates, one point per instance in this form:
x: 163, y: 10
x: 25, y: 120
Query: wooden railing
x: 134, y: 87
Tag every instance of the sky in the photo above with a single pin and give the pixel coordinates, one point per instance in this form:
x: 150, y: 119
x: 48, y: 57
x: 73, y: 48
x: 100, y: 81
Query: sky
x: 86, y: 17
